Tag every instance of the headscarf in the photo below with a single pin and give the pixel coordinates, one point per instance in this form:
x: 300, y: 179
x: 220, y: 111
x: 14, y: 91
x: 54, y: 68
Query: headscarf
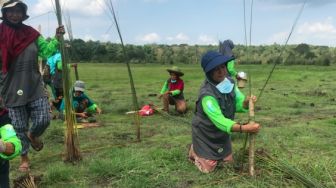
x: 14, y: 39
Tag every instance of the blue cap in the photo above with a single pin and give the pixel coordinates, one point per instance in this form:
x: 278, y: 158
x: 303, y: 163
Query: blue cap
x: 212, y: 59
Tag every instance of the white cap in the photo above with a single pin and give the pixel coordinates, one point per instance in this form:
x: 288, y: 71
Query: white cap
x: 79, y: 86
x: 242, y: 75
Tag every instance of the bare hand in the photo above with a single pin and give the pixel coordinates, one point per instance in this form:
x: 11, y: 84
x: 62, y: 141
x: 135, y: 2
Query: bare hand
x: 251, y: 127
x: 74, y: 65
x: 60, y: 31
x: 254, y: 98
x: 247, y: 100
x: 99, y: 111
x: 83, y: 115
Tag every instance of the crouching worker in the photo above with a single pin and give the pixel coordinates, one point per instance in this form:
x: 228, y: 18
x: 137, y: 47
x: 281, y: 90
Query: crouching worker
x: 10, y: 147
x: 213, y: 121
x: 83, y: 106
x: 172, y: 91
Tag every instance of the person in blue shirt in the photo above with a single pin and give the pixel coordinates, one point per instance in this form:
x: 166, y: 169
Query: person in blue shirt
x: 54, y: 63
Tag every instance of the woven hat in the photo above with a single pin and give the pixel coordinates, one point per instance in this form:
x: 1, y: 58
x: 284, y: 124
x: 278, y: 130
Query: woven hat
x: 175, y: 70
x: 79, y: 86
x: 13, y: 3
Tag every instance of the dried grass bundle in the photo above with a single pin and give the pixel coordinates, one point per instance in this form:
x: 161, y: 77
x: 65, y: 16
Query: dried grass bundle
x: 284, y: 167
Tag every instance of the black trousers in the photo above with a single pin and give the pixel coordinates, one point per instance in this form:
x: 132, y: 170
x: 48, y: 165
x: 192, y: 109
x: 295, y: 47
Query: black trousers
x: 4, y: 174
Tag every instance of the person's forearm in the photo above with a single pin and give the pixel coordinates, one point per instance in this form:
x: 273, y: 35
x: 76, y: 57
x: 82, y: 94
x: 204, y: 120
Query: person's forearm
x: 237, y: 128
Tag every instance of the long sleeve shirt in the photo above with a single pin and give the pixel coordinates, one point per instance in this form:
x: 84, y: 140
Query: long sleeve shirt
x: 55, y: 63
x: 7, y: 134
x: 231, y: 69
x: 46, y: 48
x: 211, y: 108
x: 175, y: 88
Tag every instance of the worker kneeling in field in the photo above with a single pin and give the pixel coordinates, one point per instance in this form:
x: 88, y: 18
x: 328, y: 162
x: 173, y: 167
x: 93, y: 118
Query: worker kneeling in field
x: 172, y: 91
x: 10, y: 147
x: 83, y: 106
x: 213, y: 122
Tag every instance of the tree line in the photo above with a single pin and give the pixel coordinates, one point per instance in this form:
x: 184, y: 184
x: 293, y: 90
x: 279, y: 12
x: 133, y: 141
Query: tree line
x: 107, y: 52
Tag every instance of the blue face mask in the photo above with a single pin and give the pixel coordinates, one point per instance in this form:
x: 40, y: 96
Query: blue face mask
x: 173, y: 81
x: 225, y: 86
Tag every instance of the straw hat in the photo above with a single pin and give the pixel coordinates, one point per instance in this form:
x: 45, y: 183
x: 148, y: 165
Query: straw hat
x: 176, y: 70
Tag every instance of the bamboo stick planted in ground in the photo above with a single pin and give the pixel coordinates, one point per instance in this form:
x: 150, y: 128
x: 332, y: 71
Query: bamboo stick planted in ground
x: 251, y: 140
x: 134, y: 96
x: 71, y: 141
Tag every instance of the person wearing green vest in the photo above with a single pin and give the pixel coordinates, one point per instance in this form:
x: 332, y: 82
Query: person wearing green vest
x: 84, y: 107
x: 10, y: 147
x: 213, y: 120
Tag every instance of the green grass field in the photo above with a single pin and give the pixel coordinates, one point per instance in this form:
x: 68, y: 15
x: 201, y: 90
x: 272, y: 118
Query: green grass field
x: 296, y: 111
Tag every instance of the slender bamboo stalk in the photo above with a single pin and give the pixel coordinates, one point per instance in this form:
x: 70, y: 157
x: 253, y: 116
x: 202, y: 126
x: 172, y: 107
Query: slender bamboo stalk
x: 40, y: 59
x: 71, y: 141
x: 134, y: 96
x: 251, y: 140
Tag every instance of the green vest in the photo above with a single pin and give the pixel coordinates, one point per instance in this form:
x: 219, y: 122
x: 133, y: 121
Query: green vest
x: 209, y: 142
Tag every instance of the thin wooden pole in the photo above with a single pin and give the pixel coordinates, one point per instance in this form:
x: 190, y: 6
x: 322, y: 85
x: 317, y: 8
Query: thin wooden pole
x: 134, y: 95
x: 72, y: 153
x: 251, y: 140
x: 40, y: 63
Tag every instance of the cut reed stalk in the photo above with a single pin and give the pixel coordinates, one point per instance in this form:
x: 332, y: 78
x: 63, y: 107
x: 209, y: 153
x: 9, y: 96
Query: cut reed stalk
x: 284, y: 167
x: 72, y: 153
x: 251, y: 139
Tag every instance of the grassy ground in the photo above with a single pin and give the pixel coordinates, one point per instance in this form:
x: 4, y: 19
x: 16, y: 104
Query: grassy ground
x: 297, y: 112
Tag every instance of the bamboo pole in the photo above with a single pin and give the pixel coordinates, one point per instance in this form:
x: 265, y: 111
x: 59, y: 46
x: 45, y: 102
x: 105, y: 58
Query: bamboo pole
x: 251, y: 140
x: 134, y: 96
x: 72, y: 153
x: 40, y: 63
x: 76, y: 71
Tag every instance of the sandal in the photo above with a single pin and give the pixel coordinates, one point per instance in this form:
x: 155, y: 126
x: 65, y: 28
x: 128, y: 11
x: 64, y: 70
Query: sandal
x: 36, y: 143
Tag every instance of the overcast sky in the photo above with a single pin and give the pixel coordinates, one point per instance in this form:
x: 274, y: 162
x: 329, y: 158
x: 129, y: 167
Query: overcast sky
x: 192, y: 21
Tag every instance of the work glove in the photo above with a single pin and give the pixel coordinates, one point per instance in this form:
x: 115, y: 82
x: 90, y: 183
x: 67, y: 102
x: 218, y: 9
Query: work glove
x: 2, y: 146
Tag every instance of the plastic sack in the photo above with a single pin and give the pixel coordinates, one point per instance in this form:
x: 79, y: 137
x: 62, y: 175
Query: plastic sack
x: 146, y: 111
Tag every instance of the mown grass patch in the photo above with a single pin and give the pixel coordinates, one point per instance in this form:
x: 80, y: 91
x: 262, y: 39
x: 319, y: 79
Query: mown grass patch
x: 296, y: 111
